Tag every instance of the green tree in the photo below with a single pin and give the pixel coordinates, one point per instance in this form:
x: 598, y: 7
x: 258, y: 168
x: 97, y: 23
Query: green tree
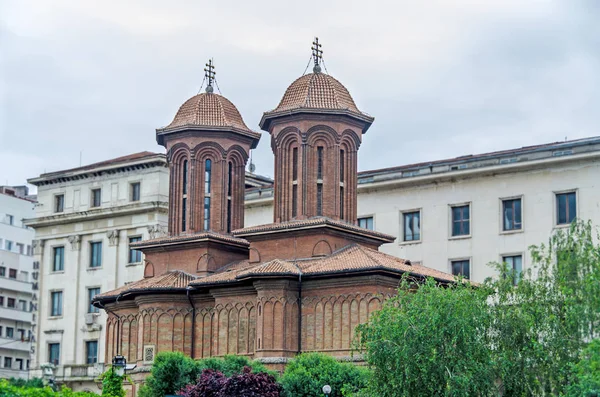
x: 587, y: 372
x: 306, y: 375
x: 112, y: 384
x: 171, y: 372
x: 431, y: 341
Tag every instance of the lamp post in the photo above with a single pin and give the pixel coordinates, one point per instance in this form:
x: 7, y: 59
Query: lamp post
x: 118, y: 365
x: 326, y: 389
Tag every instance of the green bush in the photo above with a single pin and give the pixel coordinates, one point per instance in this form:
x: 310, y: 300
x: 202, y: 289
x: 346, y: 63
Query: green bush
x: 112, y: 384
x: 32, y: 390
x: 306, y: 375
x: 587, y: 372
x: 172, y: 371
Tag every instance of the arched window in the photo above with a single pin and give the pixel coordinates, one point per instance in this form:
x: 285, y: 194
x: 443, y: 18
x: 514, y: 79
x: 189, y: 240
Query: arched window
x: 341, y: 184
x: 184, y: 197
x: 229, y: 183
x: 319, y: 180
x: 294, y: 182
x: 207, y: 182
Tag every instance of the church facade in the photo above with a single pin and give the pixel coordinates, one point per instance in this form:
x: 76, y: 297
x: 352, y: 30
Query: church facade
x: 300, y: 284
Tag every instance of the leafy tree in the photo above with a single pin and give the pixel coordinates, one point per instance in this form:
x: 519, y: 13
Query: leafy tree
x: 431, y: 341
x: 112, y: 384
x: 306, y: 375
x: 20, y: 382
x: 587, y: 372
x: 209, y: 384
x: 231, y: 364
x: 248, y: 384
x: 170, y: 372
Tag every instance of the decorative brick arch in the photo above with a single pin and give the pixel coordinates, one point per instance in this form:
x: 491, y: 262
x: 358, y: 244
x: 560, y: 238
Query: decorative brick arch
x: 149, y: 270
x: 322, y: 248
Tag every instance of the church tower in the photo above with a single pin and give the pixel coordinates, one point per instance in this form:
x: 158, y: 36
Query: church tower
x: 207, y: 145
x: 316, y: 131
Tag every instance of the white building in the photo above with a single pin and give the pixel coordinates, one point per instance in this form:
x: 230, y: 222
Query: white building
x: 84, y: 221
x: 16, y: 276
x: 460, y: 214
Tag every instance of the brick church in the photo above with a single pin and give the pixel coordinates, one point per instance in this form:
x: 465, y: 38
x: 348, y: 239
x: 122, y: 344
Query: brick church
x: 300, y: 284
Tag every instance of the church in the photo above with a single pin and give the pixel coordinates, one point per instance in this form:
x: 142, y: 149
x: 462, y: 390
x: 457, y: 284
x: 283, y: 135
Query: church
x: 269, y: 292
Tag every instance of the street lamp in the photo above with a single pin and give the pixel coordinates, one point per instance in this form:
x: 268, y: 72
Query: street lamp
x: 326, y: 389
x: 118, y: 365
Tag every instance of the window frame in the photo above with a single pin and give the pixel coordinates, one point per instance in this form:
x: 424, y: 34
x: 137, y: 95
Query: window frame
x: 12, y: 272
x: 92, y: 309
x: 555, y: 209
x: 50, y: 344
x: 461, y: 259
x: 91, y: 256
x: 367, y: 216
x: 513, y: 255
x: 512, y: 231
x: 55, y: 203
x: 402, y: 239
x: 451, y: 207
x: 87, y: 355
x: 62, y: 303
x: 132, y: 191
x: 129, y: 238
x: 93, y: 203
x: 62, y: 269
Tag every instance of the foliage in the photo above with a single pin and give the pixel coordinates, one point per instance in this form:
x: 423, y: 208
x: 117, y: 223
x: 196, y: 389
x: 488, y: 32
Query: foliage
x: 246, y: 384
x: 170, y: 372
x: 209, y: 384
x: 230, y: 365
x: 20, y: 382
x: 497, y: 338
x: 431, y: 341
x: 7, y: 389
x: 306, y: 375
x: 587, y: 372
x: 112, y: 384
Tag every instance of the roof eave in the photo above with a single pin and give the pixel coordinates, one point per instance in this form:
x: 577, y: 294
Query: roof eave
x: 268, y: 117
x: 161, y: 132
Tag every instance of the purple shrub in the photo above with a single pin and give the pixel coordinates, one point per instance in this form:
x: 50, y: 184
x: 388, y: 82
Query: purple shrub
x: 248, y: 384
x: 209, y: 384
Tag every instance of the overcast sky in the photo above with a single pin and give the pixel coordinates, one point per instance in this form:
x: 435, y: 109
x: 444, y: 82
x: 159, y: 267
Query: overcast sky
x: 442, y: 78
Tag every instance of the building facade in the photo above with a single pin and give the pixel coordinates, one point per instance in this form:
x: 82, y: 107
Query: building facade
x: 17, y: 296
x: 460, y: 214
x: 85, y: 221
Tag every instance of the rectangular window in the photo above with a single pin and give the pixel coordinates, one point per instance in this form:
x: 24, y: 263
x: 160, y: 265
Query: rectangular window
x: 135, y: 191
x: 10, y: 332
x: 96, y: 197
x: 295, y: 164
x: 10, y: 219
x: 2, y: 271
x: 566, y: 208
x: 341, y: 166
x: 12, y: 273
x: 29, y: 252
x: 206, y: 213
x: 461, y: 221
x: 7, y: 362
x: 319, y: 162
x: 515, y: 263
x: 1, y: 301
x: 183, y: 214
x: 56, y: 299
x: 511, y: 215
x: 92, y: 292
x: 10, y: 303
x: 91, y: 351
x: 21, y: 334
x: 96, y: 254
x: 21, y: 248
x: 135, y: 256
x: 58, y: 263
x: 19, y: 362
x: 22, y: 305
x: 8, y: 245
x: 59, y: 203
x: 54, y: 353
x: 341, y: 202
x: 1, y: 331
x: 294, y: 201
x: 412, y: 226
x: 366, y: 222
x: 461, y: 268
x: 319, y: 199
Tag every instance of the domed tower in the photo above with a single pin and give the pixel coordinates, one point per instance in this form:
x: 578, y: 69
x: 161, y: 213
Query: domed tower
x: 316, y: 131
x: 207, y: 145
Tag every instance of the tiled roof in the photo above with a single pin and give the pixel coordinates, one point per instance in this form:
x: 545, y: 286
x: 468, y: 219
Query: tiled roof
x: 209, y: 110
x: 313, y: 222
x: 187, y: 238
x: 172, y: 280
x: 350, y: 259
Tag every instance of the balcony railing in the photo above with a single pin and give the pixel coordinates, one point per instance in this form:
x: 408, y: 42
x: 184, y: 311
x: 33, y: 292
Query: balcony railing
x: 15, y: 344
x: 15, y: 314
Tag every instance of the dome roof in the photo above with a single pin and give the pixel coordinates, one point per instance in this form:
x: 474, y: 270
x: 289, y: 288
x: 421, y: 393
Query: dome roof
x: 318, y: 92
x: 208, y: 110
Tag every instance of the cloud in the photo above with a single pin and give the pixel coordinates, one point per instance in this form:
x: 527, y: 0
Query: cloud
x: 442, y: 78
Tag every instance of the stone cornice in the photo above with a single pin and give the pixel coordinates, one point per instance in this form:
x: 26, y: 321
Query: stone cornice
x: 98, y: 213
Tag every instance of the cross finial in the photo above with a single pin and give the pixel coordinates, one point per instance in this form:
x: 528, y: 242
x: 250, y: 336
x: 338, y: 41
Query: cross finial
x: 209, y: 74
x: 317, y: 55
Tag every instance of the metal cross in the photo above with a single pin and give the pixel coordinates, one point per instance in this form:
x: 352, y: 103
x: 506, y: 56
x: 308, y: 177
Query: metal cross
x: 317, y: 53
x: 209, y: 74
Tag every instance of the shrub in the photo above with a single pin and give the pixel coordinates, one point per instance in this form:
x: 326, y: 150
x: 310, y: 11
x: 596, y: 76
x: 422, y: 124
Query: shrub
x: 587, y: 372
x: 9, y: 390
x: 112, y: 384
x: 306, y: 375
x: 171, y: 372
x: 248, y: 384
x: 231, y: 365
x: 209, y: 384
